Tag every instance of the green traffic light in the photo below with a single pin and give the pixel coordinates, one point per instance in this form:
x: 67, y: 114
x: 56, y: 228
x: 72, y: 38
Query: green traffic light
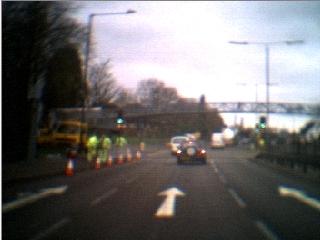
x: 262, y: 125
x: 120, y: 121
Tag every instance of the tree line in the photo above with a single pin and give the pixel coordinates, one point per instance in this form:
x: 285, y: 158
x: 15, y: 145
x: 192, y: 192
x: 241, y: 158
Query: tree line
x: 42, y: 69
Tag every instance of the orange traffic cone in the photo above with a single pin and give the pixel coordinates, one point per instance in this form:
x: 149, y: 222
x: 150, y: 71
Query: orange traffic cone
x: 120, y: 158
x: 142, y: 146
x: 98, y: 163
x: 109, y: 162
x: 69, y: 168
x: 138, y: 155
x: 129, y: 156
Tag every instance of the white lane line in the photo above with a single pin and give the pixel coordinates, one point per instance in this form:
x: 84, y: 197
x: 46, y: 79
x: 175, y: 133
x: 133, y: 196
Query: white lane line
x: 51, y: 229
x: 237, y: 198
x: 300, y: 196
x: 266, y: 231
x: 222, y: 179
x: 128, y: 181
x: 214, y: 168
x: 33, y: 198
x: 104, y: 196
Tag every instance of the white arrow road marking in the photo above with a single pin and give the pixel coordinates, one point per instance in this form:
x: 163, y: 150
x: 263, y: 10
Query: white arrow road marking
x: 299, y: 195
x: 33, y: 198
x: 167, y: 208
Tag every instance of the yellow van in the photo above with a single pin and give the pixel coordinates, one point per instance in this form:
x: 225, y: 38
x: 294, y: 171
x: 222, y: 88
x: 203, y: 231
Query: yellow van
x: 67, y: 133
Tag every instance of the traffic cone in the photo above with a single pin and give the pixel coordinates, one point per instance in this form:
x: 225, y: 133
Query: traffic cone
x: 109, y: 161
x: 142, y: 146
x: 120, y: 158
x: 98, y: 163
x: 138, y: 155
x: 69, y: 168
x: 129, y: 156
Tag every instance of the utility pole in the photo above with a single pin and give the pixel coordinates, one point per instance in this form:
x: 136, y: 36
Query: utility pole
x: 87, y: 59
x: 267, y: 67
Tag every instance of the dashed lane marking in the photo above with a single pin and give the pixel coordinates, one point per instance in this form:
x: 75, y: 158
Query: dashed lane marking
x: 51, y: 229
x: 131, y: 180
x: 237, y: 198
x: 104, y: 197
x: 266, y: 231
x: 158, y: 152
x: 222, y: 179
x: 214, y: 167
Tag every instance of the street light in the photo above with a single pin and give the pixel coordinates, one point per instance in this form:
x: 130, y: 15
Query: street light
x: 89, y: 27
x: 87, y: 57
x: 267, y: 51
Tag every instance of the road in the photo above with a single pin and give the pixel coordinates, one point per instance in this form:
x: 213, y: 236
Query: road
x: 229, y: 198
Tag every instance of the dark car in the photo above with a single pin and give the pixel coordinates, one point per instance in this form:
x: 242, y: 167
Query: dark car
x: 191, y: 152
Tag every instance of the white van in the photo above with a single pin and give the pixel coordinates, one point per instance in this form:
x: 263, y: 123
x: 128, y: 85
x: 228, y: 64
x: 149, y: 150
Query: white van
x: 217, y: 140
x: 175, y: 142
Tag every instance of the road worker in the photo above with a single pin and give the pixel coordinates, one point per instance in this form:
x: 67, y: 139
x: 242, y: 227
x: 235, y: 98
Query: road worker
x: 104, y: 148
x: 120, y: 145
x: 92, y: 145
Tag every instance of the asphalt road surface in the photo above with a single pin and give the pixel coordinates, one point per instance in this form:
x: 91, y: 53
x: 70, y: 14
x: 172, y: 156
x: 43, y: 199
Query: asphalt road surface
x: 229, y: 198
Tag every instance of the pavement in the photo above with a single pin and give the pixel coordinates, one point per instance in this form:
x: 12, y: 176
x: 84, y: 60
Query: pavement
x: 48, y: 166
x: 51, y: 165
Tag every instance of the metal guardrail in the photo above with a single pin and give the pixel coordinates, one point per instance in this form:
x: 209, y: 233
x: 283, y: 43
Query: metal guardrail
x: 296, y: 153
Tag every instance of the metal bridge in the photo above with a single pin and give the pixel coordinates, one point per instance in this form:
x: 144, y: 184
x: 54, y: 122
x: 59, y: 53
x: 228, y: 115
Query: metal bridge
x: 259, y: 107
x: 103, y: 116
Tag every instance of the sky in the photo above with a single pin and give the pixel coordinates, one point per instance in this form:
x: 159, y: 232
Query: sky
x: 186, y: 45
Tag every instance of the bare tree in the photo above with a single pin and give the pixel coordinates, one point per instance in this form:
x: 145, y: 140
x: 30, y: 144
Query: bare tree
x: 126, y: 97
x: 103, y: 89
x: 155, y: 94
x: 33, y: 31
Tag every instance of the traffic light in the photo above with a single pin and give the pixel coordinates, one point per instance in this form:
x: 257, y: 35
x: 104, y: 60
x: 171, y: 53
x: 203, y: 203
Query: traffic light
x: 262, y: 122
x: 120, y: 120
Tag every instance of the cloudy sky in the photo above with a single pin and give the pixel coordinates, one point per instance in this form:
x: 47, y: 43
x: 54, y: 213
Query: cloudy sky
x: 186, y: 45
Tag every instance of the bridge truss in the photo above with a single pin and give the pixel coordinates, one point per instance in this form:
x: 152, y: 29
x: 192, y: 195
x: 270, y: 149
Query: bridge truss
x: 259, y: 107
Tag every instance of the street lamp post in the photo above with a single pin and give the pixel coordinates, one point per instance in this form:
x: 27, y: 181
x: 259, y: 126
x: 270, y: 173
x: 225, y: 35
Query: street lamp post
x: 87, y: 58
x: 267, y: 66
x: 89, y: 27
